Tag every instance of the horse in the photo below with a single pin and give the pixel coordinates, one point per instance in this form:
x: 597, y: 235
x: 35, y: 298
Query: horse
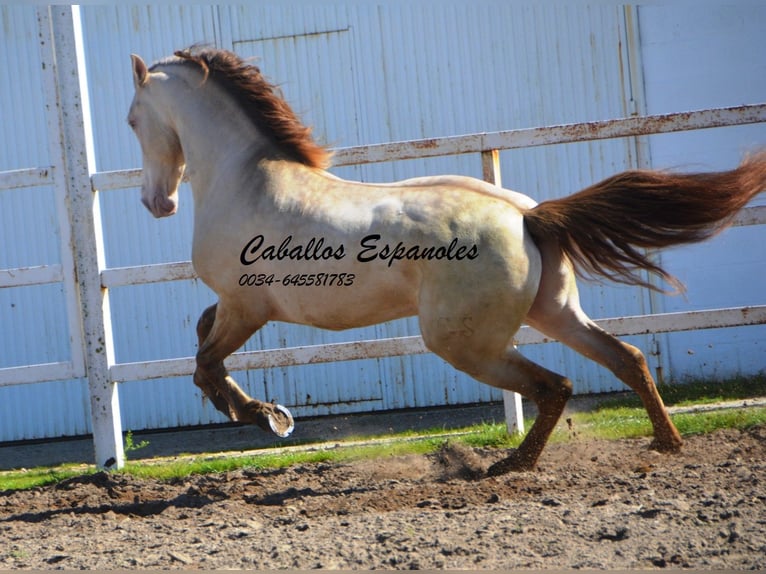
x: 279, y: 238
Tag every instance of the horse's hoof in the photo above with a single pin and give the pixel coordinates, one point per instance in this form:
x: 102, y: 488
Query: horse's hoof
x: 270, y: 417
x: 281, y: 421
x: 499, y: 468
x: 512, y: 463
x: 671, y: 446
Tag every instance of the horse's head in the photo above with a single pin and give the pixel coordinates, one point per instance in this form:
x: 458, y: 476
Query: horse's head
x: 163, y: 157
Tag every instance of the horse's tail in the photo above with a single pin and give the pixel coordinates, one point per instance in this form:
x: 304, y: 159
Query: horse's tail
x: 604, y: 227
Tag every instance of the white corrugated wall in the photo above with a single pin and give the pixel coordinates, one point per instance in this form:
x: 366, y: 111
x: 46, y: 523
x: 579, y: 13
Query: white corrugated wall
x: 360, y: 73
x: 359, y: 76
x: 33, y: 319
x: 718, y: 59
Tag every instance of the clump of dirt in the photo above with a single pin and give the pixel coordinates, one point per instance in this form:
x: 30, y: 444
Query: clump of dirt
x: 589, y: 504
x: 460, y: 461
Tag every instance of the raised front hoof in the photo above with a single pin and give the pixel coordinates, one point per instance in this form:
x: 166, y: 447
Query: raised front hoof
x: 512, y: 463
x: 273, y: 417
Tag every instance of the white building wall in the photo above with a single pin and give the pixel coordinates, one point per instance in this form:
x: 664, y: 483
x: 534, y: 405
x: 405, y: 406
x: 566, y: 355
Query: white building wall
x: 34, y: 322
x: 365, y: 74
x: 360, y: 73
x: 713, y: 56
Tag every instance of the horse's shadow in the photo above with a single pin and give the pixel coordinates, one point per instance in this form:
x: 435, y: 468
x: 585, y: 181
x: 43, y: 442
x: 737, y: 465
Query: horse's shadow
x: 290, y: 494
x: 191, y: 499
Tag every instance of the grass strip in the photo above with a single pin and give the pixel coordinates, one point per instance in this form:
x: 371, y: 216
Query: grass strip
x: 610, y: 420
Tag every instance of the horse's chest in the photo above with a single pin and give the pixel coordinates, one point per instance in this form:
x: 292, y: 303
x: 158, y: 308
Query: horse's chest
x: 215, y: 259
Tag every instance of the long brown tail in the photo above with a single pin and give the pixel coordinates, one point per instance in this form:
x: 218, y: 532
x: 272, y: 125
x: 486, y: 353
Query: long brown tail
x: 604, y: 227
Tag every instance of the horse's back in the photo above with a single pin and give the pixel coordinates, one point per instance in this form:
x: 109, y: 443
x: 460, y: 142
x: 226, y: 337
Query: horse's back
x: 471, y: 184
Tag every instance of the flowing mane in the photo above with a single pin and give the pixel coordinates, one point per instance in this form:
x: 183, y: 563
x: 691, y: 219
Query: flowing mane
x: 261, y: 101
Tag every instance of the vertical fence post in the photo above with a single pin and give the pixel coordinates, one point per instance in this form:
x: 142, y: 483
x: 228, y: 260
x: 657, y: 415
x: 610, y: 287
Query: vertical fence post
x: 64, y: 106
x: 514, y: 413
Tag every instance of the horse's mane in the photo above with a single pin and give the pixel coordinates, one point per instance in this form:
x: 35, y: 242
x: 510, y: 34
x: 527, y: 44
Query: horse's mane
x: 261, y: 101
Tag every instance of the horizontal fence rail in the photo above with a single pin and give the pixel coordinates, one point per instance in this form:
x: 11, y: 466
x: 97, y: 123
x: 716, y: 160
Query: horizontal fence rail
x: 413, y: 345
x: 40, y: 373
x: 414, y: 149
x: 32, y: 177
x: 549, y: 135
x: 473, y: 143
x: 37, y: 275
x: 486, y: 144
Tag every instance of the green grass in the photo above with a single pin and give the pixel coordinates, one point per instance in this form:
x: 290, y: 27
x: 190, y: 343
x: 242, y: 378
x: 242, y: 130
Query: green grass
x: 627, y: 422
x: 694, y: 392
x: 17, y: 480
x: 625, y: 417
x: 202, y: 465
x: 612, y: 419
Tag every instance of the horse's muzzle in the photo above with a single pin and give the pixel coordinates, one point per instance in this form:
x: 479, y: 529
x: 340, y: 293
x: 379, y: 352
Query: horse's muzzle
x: 160, y: 206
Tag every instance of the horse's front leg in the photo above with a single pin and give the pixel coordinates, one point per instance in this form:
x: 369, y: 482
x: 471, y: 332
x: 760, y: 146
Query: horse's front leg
x: 221, y: 333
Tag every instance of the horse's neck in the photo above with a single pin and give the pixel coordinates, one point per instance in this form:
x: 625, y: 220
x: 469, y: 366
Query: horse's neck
x: 215, y: 135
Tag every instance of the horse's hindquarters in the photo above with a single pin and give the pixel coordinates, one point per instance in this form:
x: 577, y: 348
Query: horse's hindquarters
x: 469, y: 313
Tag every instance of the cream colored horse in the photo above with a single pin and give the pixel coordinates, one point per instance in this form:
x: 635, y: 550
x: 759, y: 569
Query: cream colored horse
x: 280, y: 239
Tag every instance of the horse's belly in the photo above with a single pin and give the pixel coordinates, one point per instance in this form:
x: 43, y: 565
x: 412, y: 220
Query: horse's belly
x: 352, y: 301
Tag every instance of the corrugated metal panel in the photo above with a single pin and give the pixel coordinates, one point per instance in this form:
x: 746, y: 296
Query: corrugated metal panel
x: 710, y: 57
x: 361, y: 74
x: 34, y: 318
x: 23, y: 131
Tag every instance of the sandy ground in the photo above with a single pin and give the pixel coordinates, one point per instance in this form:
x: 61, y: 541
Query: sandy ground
x: 589, y: 504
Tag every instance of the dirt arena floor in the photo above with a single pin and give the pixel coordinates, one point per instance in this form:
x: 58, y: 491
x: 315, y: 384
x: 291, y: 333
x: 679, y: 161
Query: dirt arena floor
x: 590, y: 504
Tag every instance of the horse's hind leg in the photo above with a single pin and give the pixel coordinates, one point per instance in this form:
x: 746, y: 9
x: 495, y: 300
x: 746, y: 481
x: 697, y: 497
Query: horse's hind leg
x: 550, y: 392
x: 485, y: 352
x: 562, y: 318
x: 221, y: 333
x: 626, y: 362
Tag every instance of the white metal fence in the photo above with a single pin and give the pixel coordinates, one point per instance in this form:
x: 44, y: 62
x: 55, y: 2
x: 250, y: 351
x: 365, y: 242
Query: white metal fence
x: 86, y: 279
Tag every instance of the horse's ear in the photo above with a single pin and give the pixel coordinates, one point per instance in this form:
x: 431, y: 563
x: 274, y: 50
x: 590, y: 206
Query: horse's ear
x: 140, y: 71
